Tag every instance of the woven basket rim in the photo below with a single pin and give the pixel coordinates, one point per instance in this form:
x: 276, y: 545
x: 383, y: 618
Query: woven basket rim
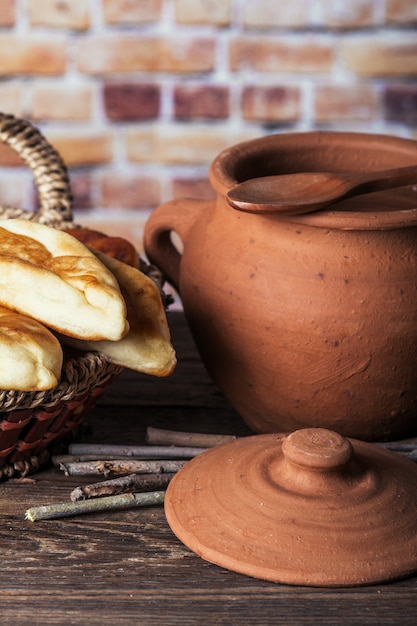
x: 79, y: 374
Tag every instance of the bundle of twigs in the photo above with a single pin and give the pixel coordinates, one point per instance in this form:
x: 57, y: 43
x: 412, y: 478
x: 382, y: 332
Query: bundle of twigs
x: 134, y: 476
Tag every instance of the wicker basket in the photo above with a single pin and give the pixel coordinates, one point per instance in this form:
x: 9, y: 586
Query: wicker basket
x: 31, y: 423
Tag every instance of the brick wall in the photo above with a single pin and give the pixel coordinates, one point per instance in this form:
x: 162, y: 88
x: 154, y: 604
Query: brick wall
x: 140, y: 95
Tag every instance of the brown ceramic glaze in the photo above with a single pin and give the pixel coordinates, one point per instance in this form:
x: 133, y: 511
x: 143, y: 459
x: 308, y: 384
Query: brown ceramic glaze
x: 307, y: 320
x: 312, y: 508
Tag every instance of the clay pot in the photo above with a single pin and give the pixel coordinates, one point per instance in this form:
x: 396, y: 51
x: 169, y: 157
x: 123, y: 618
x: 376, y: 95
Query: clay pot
x: 307, y: 320
x: 312, y: 508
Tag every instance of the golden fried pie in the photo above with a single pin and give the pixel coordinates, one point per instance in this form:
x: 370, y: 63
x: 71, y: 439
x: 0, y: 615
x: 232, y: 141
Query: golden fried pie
x: 50, y: 276
x: 146, y: 347
x: 30, y: 355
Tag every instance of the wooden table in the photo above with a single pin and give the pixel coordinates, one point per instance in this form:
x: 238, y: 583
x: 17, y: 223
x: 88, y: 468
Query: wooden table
x: 127, y: 567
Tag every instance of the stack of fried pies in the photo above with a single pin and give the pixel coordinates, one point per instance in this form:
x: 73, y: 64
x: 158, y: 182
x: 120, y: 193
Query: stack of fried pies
x: 76, y: 288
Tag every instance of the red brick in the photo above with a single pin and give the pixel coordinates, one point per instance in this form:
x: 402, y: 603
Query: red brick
x: 61, y: 101
x: 345, y: 102
x: 15, y: 188
x: 201, y: 102
x: 8, y: 157
x: 11, y: 98
x: 197, y: 187
x: 342, y: 15
x: 131, y: 192
x: 271, y: 103
x: 400, y: 103
x: 401, y: 12
x: 126, y: 53
x: 380, y: 54
x: 282, y: 53
x: 306, y: 14
x: 268, y: 14
x: 186, y: 144
x: 32, y: 55
x: 206, y: 12
x: 83, y: 149
x: 81, y: 188
x: 130, y: 101
x: 69, y: 14
x: 7, y: 13
x: 131, y: 11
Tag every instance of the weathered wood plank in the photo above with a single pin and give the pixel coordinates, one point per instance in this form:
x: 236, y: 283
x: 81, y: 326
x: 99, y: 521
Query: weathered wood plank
x: 189, y: 385
x: 127, y: 567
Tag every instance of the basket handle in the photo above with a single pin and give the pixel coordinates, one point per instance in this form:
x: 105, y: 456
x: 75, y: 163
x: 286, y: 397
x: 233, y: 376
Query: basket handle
x: 48, y: 169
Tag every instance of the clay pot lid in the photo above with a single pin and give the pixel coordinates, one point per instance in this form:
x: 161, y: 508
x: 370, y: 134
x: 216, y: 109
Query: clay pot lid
x: 310, y: 508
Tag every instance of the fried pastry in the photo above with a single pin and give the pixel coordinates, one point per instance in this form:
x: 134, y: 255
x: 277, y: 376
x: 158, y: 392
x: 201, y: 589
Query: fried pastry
x: 50, y: 276
x: 146, y: 347
x: 30, y: 355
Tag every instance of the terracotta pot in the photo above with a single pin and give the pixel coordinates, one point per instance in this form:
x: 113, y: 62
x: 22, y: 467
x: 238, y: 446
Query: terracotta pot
x: 307, y: 320
x: 312, y: 508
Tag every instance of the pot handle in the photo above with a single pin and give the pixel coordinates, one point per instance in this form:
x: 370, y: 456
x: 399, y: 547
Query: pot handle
x: 175, y: 216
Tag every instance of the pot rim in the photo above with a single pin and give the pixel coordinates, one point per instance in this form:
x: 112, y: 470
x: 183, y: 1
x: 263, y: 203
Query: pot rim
x: 228, y: 169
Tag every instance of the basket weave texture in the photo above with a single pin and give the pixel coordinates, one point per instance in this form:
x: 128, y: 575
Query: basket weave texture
x: 33, y: 422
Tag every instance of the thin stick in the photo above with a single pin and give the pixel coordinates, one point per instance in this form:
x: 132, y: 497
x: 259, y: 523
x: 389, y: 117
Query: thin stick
x: 66, y: 509
x: 145, y: 452
x: 120, y: 466
x: 124, y: 484
x: 175, y: 438
x: 405, y: 445
x: 411, y: 456
x: 59, y: 459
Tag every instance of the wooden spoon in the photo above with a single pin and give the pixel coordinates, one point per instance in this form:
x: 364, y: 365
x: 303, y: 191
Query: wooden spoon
x: 304, y: 192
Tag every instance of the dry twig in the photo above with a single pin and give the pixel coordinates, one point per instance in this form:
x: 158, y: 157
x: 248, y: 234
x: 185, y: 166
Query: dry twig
x: 404, y: 445
x: 59, y: 459
x: 123, y: 484
x: 95, y: 505
x: 120, y: 466
x: 145, y: 452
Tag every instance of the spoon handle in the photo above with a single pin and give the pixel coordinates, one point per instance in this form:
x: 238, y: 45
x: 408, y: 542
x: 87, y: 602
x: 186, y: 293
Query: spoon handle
x: 388, y: 179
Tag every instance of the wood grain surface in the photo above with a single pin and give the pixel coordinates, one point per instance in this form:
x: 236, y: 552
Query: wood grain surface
x: 127, y: 567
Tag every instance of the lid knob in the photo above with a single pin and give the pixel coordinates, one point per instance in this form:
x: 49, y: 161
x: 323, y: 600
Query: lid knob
x: 317, y: 449
x: 316, y: 461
